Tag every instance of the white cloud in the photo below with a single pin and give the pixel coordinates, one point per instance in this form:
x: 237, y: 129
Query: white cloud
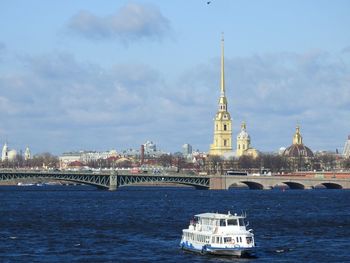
x: 87, y: 106
x: 131, y: 22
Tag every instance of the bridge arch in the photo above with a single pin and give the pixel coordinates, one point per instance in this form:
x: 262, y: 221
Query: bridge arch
x: 332, y: 186
x: 253, y: 185
x: 294, y: 185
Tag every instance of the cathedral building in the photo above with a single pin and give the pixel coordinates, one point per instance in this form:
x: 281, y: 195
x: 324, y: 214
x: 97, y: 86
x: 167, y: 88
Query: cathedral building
x: 7, y: 154
x: 222, y: 141
x: 299, y: 155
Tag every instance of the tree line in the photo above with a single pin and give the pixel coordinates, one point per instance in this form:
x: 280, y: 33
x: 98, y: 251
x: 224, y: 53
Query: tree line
x: 212, y: 164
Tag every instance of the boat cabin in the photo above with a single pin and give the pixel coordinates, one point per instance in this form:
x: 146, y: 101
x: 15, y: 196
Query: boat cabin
x: 213, y: 222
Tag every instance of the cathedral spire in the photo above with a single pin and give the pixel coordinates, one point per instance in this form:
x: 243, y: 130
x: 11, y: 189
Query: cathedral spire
x: 222, y: 142
x: 222, y: 86
x: 222, y: 99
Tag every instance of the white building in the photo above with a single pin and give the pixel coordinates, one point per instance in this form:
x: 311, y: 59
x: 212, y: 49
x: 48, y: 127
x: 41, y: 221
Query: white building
x: 187, y: 150
x: 150, y: 147
x: 346, y: 151
x: 27, y: 154
x: 84, y: 157
x: 7, y: 154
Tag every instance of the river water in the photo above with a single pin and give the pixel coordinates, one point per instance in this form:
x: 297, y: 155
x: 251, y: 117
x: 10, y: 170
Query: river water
x: 144, y: 224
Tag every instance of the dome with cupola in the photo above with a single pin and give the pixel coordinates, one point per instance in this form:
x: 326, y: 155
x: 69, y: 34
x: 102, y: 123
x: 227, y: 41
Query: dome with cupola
x: 298, y: 149
x: 243, y: 143
x: 243, y: 133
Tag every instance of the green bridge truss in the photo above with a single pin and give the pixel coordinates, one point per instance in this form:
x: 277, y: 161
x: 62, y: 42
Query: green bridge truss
x: 109, y: 181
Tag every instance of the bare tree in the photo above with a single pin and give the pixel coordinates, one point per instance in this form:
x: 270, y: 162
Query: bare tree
x: 165, y: 160
x: 346, y: 163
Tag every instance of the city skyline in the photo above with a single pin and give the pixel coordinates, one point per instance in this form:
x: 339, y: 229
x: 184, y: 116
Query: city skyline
x: 90, y: 75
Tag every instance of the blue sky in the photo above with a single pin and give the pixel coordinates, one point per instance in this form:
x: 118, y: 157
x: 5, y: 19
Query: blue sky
x: 99, y: 75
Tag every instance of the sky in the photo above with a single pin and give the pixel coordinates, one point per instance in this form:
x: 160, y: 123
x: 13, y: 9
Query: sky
x: 100, y: 75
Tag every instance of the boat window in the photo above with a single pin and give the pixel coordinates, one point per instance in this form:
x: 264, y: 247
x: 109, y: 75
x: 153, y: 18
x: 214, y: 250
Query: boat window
x: 240, y: 239
x: 227, y: 239
x: 241, y: 222
x: 249, y: 240
x: 232, y: 222
x: 218, y: 240
x: 237, y: 239
x: 222, y: 222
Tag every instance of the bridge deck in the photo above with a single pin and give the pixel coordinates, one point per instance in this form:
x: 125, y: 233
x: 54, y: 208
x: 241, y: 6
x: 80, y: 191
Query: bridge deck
x: 117, y: 179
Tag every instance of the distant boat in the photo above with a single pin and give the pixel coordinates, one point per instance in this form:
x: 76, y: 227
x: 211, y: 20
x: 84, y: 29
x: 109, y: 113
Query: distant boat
x: 24, y: 184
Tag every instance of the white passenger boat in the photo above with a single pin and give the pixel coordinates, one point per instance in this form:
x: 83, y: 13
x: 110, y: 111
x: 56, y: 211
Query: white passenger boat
x: 218, y: 234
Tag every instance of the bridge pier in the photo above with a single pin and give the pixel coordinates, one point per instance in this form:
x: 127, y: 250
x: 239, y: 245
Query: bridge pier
x: 113, y: 182
x: 217, y: 183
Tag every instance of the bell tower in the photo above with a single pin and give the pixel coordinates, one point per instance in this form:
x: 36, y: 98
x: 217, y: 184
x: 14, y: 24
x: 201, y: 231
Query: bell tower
x: 243, y: 140
x: 222, y: 142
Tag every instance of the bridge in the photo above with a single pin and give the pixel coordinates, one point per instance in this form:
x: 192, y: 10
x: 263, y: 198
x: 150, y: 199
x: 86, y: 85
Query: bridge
x: 113, y: 180
x: 110, y: 181
x: 270, y: 182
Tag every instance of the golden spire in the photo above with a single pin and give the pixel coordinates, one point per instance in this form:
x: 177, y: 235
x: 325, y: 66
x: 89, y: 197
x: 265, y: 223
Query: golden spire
x: 222, y: 99
x: 222, y: 87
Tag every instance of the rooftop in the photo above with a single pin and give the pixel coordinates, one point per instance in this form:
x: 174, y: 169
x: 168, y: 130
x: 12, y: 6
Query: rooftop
x: 219, y: 216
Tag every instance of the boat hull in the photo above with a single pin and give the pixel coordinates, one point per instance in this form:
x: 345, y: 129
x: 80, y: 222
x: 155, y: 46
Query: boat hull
x: 207, y: 249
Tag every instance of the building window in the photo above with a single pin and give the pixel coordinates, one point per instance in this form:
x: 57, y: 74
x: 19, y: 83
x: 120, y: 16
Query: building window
x: 225, y: 127
x: 225, y: 142
x: 239, y: 146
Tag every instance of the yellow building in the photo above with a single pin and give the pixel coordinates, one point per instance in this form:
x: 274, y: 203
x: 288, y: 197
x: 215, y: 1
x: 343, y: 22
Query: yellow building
x: 222, y: 142
x: 243, y: 143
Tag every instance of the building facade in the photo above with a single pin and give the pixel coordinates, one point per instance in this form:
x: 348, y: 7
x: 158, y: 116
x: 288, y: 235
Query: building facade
x: 187, y: 150
x: 222, y: 141
x: 150, y: 147
x: 7, y: 154
x: 243, y: 140
x: 84, y: 157
x: 243, y: 143
x: 346, y: 151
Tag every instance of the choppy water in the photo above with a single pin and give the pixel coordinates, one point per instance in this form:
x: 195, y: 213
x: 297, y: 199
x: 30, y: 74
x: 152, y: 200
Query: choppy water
x: 143, y: 224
